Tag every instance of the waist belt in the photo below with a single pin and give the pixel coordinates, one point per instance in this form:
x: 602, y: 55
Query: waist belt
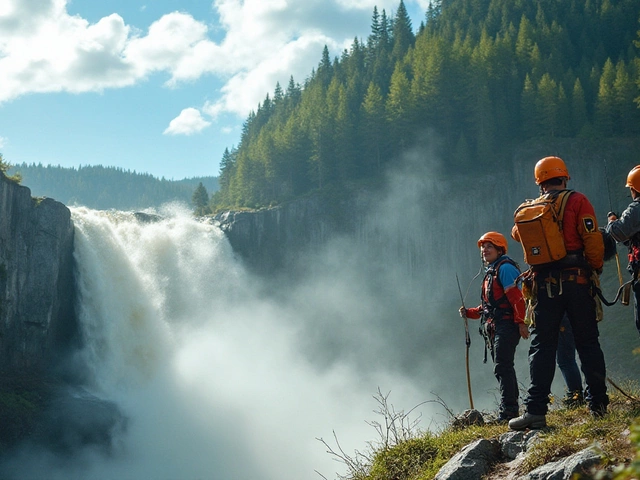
x: 578, y: 275
x: 553, y: 279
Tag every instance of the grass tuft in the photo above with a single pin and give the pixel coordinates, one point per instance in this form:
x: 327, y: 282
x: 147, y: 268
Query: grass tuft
x: 419, y: 455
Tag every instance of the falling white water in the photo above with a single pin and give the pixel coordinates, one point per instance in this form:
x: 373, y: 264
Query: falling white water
x: 209, y: 372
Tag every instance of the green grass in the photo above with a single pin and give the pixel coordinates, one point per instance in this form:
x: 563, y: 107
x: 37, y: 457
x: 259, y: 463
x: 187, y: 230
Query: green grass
x: 420, y: 455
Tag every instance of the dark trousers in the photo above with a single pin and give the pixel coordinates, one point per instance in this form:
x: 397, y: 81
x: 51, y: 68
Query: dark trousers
x: 504, y: 350
x: 636, y: 302
x: 566, y: 357
x: 577, y: 302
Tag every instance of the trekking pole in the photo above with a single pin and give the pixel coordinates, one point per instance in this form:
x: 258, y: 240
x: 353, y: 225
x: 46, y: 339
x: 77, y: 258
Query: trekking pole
x: 606, y: 178
x: 467, y: 339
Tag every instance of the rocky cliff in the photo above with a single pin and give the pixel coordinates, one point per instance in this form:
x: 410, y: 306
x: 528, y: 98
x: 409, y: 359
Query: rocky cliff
x: 36, y: 278
x: 267, y: 239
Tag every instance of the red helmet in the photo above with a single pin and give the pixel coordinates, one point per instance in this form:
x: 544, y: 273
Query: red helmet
x: 550, y: 167
x: 494, y: 237
x: 633, y: 179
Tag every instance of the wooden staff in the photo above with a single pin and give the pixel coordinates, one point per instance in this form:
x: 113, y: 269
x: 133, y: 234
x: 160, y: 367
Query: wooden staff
x: 468, y: 343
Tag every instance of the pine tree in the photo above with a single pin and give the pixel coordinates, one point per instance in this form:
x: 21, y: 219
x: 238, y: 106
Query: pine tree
x: 528, y: 109
x: 398, y: 106
x: 374, y: 125
x: 524, y: 42
x: 278, y: 95
x: 624, y: 92
x: 605, y: 104
x: 547, y: 105
x: 4, y: 167
x: 564, y: 114
x: 578, y: 108
x: 325, y: 69
x: 200, y: 200
x: 434, y: 10
x: 374, y: 38
x: 403, y: 37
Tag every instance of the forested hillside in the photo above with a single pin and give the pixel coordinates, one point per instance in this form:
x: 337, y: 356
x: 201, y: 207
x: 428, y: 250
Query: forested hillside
x: 480, y: 76
x: 107, y: 187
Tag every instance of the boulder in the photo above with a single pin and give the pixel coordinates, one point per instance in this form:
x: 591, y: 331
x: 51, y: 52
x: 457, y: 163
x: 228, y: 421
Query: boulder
x: 473, y: 461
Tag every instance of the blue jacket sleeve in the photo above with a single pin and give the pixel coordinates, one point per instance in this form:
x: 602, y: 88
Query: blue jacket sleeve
x: 507, y: 275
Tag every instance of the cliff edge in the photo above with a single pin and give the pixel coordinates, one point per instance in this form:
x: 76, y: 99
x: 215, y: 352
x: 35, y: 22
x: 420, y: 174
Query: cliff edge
x: 37, y: 292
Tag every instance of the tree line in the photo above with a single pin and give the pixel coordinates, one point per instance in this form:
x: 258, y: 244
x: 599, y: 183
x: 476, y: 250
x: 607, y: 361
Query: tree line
x: 105, y: 188
x: 481, y: 75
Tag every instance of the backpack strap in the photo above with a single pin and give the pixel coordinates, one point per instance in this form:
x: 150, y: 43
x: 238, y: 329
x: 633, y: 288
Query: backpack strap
x: 494, y: 275
x: 563, y: 203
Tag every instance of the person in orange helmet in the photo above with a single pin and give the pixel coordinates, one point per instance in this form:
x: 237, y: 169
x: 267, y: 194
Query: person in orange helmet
x: 503, y: 310
x: 564, y: 287
x: 627, y: 229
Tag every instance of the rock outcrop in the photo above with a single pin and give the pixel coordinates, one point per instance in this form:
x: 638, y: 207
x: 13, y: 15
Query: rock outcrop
x: 37, y: 291
x: 268, y: 239
x: 503, y: 455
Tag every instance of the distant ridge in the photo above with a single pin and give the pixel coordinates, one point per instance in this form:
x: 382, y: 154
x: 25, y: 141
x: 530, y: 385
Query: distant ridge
x: 106, y: 188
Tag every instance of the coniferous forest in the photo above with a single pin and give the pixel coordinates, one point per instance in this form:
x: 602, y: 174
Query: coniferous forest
x: 481, y: 76
x: 108, y: 187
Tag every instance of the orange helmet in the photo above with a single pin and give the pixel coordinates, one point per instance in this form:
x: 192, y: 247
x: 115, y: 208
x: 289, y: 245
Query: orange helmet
x: 494, y: 237
x: 633, y: 179
x: 550, y: 167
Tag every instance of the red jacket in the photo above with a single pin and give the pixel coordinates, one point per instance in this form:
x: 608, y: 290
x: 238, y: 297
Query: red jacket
x: 509, y: 297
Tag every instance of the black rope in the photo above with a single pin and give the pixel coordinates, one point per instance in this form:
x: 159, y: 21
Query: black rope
x: 604, y: 300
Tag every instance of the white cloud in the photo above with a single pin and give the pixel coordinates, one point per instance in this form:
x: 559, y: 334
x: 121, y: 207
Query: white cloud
x: 176, y: 43
x: 3, y: 142
x: 44, y: 49
x: 189, y: 121
x: 59, y: 52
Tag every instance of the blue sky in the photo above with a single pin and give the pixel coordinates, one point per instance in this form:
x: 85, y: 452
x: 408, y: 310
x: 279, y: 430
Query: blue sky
x: 157, y: 86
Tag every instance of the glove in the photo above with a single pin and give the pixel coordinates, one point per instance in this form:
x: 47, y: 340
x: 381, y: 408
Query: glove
x: 474, y: 312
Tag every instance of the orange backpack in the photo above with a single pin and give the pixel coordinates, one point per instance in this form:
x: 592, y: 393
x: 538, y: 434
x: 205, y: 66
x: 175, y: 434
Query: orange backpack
x: 539, y: 226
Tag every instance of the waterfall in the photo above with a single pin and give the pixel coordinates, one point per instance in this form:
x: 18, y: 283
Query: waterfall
x: 211, y: 367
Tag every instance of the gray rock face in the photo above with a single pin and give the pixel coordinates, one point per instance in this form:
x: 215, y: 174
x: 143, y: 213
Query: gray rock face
x: 565, y: 469
x: 37, y: 291
x: 267, y: 239
x: 480, y: 456
x: 515, y: 443
x: 473, y: 461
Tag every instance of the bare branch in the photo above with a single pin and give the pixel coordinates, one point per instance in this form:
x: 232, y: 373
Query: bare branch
x: 396, y: 427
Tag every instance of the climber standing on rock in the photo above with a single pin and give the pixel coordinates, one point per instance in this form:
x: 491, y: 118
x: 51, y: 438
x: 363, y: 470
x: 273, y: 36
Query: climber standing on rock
x: 566, y: 255
x: 502, y: 313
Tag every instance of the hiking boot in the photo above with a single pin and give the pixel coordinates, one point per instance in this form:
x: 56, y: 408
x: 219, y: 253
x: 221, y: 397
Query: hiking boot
x: 573, y: 399
x: 504, y: 417
x: 528, y: 420
x: 598, y: 412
